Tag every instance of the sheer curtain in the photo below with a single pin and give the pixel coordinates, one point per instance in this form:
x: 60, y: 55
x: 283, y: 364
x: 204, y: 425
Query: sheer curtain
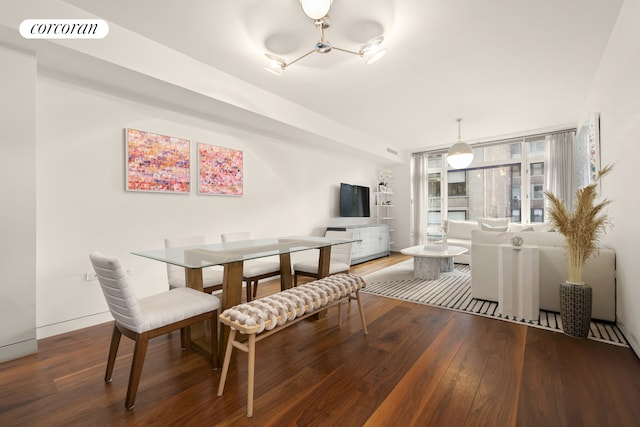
x: 558, y: 166
x: 419, y: 187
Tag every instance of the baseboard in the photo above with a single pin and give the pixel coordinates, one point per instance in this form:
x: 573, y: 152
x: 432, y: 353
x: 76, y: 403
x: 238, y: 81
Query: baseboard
x: 631, y: 339
x: 17, y: 350
x: 72, y: 325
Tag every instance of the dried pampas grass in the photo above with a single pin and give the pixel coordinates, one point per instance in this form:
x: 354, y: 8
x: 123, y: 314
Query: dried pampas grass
x: 581, y: 228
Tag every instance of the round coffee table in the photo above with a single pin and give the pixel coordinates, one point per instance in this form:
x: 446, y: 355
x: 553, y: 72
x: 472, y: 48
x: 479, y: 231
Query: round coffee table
x: 428, y: 263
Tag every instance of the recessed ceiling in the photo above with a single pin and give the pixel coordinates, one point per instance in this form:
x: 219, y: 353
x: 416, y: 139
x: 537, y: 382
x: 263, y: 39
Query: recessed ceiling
x: 506, y: 67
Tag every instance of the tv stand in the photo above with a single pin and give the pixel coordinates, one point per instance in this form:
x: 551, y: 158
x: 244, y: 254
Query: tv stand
x: 374, y: 241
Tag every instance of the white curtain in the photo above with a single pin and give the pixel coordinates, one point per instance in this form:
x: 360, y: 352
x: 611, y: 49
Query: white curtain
x: 419, y: 187
x: 558, y: 166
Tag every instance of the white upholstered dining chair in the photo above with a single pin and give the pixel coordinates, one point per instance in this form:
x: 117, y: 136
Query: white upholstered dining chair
x: 146, y: 318
x: 252, y: 270
x: 339, y: 262
x: 211, y: 276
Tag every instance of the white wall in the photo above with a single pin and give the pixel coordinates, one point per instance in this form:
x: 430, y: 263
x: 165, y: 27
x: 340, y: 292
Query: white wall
x: 17, y: 215
x: 616, y: 95
x: 289, y: 189
x: 401, y: 185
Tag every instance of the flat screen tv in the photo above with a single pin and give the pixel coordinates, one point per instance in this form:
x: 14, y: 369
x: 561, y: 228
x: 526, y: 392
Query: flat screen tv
x: 354, y: 200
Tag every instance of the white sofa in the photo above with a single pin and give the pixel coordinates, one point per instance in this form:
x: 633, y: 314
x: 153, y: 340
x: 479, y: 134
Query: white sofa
x: 459, y: 232
x: 599, y: 271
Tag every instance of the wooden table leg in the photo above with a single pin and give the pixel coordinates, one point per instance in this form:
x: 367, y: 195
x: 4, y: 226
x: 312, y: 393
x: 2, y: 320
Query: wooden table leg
x: 285, y: 271
x: 323, y: 271
x: 193, y: 277
x: 231, y: 296
x: 197, y: 334
x: 324, y: 261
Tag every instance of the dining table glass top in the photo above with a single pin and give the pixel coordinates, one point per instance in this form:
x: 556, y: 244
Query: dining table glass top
x: 200, y: 256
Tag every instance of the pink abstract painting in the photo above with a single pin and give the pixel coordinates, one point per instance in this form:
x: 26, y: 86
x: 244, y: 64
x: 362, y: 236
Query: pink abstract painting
x: 157, y: 162
x: 219, y: 170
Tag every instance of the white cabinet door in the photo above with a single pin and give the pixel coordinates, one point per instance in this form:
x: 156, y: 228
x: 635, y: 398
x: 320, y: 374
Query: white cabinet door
x: 356, y: 248
x: 376, y: 239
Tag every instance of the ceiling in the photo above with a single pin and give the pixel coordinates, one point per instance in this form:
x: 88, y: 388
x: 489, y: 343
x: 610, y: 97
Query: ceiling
x: 507, y: 67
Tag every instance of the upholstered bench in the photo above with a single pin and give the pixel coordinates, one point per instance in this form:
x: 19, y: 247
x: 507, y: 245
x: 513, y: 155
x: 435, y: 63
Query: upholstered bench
x: 265, y: 316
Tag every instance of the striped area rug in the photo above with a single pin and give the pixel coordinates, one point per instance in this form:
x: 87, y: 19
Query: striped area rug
x: 453, y: 291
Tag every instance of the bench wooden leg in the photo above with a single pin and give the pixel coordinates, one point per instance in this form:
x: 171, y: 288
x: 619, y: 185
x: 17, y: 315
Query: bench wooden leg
x: 227, y: 359
x: 361, y: 310
x: 340, y: 314
x: 250, y: 373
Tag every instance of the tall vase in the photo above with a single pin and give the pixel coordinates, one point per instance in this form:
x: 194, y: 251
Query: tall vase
x: 575, y: 308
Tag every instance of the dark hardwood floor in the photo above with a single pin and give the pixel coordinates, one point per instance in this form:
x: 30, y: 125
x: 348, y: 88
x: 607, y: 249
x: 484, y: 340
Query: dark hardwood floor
x: 419, y: 365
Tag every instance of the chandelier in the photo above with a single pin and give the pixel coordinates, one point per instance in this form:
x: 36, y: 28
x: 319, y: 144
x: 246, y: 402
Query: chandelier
x: 318, y: 10
x: 460, y: 155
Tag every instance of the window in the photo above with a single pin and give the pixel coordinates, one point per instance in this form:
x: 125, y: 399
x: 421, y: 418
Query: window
x: 434, y: 216
x: 537, y: 146
x: 434, y: 185
x: 537, y: 215
x: 537, y: 191
x: 537, y: 169
x: 457, y: 215
x: 457, y: 184
x: 505, y: 180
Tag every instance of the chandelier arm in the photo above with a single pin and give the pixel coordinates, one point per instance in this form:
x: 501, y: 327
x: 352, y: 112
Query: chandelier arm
x: 318, y: 11
x: 347, y: 51
x: 298, y: 59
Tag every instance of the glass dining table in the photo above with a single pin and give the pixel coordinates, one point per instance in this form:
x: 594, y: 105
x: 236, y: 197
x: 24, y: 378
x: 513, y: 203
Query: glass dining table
x: 231, y: 256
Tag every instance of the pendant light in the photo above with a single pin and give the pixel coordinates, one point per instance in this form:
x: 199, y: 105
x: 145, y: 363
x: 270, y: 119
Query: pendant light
x: 460, y: 155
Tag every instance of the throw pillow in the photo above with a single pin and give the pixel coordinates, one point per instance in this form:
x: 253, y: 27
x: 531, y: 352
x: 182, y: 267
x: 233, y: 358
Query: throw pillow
x: 487, y: 227
x: 494, y: 222
x: 460, y: 229
x: 517, y: 227
x: 541, y: 226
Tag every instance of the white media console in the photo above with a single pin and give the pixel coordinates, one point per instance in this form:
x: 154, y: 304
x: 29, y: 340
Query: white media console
x: 374, y: 241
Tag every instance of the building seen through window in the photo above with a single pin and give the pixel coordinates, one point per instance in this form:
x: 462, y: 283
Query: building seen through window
x: 494, y: 186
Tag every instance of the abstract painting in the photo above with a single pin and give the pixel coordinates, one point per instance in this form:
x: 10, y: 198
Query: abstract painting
x: 219, y: 170
x: 157, y: 162
x: 586, y: 152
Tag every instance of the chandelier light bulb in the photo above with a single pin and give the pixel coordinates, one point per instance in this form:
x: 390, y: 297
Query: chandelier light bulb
x: 316, y: 9
x: 372, y: 45
x: 376, y: 56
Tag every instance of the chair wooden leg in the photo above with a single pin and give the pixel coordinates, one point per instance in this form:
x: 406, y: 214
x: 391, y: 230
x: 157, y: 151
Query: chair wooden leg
x: 214, y: 339
x: 255, y: 289
x: 139, y: 353
x: 113, y: 351
x: 295, y: 279
x: 185, y: 337
x: 248, y: 290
